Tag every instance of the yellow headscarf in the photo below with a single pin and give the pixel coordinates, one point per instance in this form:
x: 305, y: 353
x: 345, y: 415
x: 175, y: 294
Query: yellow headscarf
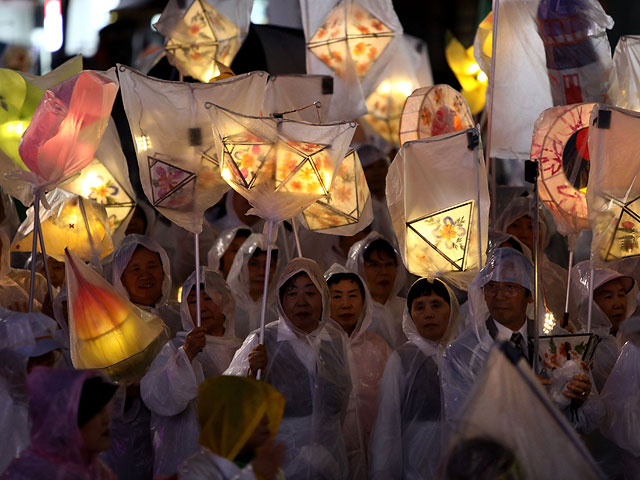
x: 230, y: 409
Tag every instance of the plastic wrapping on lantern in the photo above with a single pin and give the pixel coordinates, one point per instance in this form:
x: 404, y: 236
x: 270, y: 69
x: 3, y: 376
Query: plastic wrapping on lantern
x: 179, y: 166
x: 346, y: 209
x: 483, y: 43
x: 106, y: 330
x: 432, y: 111
x: 432, y: 194
x: 560, y: 145
x: 106, y: 181
x: 67, y: 126
x: 22, y: 93
x: 352, y: 40
x: 285, y: 93
x: 626, y: 60
x: 280, y: 166
x: 507, y: 390
x: 65, y: 225
x: 404, y: 73
x: 204, y: 34
x: 613, y: 195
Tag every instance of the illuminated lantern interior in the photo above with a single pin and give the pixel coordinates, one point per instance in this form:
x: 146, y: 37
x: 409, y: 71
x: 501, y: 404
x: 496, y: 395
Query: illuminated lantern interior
x: 385, y: 105
x: 472, y: 78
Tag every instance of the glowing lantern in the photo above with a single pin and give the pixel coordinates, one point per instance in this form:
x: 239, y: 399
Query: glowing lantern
x: 72, y: 222
x: 472, y: 79
x: 106, y: 330
x: 201, y: 40
x: 435, y: 188
x: 179, y: 169
x: 346, y: 209
x: 613, y: 195
x: 279, y: 166
x: 433, y: 111
x: 626, y: 60
x: 560, y: 145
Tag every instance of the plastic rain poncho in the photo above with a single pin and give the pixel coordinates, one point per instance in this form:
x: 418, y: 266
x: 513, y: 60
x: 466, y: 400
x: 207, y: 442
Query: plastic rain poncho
x: 312, y: 372
x: 510, y: 406
x: 407, y: 441
x: 229, y: 410
x: 608, y: 349
x: 248, y: 310
x: 387, y: 318
x: 368, y: 354
x: 170, y: 387
x: 57, y: 449
x: 220, y: 246
x: 164, y: 308
x: 18, y: 334
x: 465, y: 358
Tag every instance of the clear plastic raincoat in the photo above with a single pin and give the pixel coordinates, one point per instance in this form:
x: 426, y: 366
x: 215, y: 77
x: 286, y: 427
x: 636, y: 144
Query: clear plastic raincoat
x: 248, y: 310
x: 312, y: 372
x: 407, y: 441
x: 57, y: 449
x: 220, y: 246
x: 170, y: 387
x: 368, y: 354
x: 387, y: 318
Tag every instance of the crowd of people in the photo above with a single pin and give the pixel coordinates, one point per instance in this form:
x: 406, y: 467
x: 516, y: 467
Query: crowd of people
x: 363, y: 371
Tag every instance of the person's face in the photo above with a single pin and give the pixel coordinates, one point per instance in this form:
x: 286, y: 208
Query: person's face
x: 346, y: 304
x: 56, y: 271
x: 259, y: 436
x: 96, y: 433
x: 430, y: 315
x: 522, y: 229
x: 612, y: 300
x: 507, y: 303
x: 256, y: 266
x: 137, y: 224
x: 143, y: 277
x: 227, y: 258
x: 376, y: 175
x: 302, y: 304
x: 211, y: 314
x: 380, y: 271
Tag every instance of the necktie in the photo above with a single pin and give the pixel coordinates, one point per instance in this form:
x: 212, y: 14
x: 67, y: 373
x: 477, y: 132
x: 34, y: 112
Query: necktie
x: 520, y: 343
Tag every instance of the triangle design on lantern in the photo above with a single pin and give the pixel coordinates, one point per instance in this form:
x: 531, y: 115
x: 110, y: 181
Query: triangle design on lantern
x: 624, y: 241
x: 170, y: 185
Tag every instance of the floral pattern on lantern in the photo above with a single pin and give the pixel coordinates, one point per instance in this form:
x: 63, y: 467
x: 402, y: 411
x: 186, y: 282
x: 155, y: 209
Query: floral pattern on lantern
x: 350, y: 31
x: 385, y: 105
x: 433, y: 111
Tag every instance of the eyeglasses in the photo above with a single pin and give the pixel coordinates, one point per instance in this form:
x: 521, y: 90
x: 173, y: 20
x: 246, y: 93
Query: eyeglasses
x: 507, y: 290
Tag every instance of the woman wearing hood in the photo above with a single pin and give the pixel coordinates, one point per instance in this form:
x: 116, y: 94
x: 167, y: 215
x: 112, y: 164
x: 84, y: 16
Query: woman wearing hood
x: 304, y: 357
x: 225, y: 248
x: 141, y: 271
x: 70, y: 417
x: 170, y: 387
x: 368, y: 353
x: 246, y: 281
x: 375, y: 260
x: 407, y: 441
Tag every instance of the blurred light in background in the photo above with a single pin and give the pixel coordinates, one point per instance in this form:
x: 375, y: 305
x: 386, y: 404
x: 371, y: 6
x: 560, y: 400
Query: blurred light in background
x: 85, y: 20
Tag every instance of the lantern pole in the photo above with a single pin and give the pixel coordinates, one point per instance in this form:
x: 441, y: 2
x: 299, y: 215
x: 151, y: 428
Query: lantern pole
x: 196, y: 241
x: 34, y: 247
x: 590, y: 311
x: 44, y: 257
x: 565, y: 319
x: 94, y: 252
x: 531, y: 175
x: 473, y: 142
x: 287, y: 253
x: 266, y: 286
x: 492, y: 162
x: 296, y: 236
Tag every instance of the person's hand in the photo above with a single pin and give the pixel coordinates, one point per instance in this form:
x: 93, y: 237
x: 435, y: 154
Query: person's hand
x: 194, y: 343
x: 257, y: 359
x: 578, y: 389
x: 268, y: 460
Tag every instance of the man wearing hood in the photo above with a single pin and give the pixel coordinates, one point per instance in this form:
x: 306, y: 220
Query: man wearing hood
x: 304, y: 357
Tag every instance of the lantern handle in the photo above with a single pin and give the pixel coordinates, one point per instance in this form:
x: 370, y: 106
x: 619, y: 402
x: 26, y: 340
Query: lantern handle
x: 266, y: 286
x: 34, y: 247
x: 196, y: 241
x: 296, y: 236
x: 565, y: 318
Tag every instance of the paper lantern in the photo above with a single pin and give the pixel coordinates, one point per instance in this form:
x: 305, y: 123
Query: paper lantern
x: 179, y: 169
x: 626, y: 60
x: 20, y: 95
x: 201, y: 40
x: 472, y: 79
x: 613, y: 195
x: 106, y: 330
x: 346, y: 209
x: 72, y: 222
x: 435, y: 187
x: 560, y: 145
x: 279, y: 166
x: 432, y: 111
x: 66, y: 128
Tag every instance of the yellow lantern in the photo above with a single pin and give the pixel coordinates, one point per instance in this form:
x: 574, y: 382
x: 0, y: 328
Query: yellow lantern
x: 472, y: 79
x: 385, y: 108
x: 72, y: 222
x: 106, y: 330
x: 346, y: 209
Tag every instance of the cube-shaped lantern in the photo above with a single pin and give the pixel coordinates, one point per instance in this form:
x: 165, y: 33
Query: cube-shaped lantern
x: 346, y: 209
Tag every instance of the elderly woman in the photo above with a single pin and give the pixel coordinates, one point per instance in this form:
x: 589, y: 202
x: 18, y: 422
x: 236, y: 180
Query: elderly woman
x: 304, y: 357
x: 407, y: 439
x: 170, y: 387
x: 368, y: 353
